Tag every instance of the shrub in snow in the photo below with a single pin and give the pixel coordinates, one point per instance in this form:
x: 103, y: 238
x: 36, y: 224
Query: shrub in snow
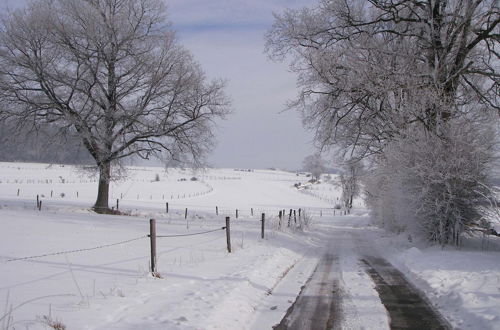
x: 48, y: 321
x: 432, y: 185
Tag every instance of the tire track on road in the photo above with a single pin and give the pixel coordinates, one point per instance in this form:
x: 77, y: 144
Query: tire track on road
x: 318, y: 306
x: 407, y: 307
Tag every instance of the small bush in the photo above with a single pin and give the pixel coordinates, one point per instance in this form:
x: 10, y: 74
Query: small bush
x: 51, y: 323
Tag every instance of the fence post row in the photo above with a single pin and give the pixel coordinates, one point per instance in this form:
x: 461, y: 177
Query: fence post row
x: 152, y: 236
x: 228, y: 235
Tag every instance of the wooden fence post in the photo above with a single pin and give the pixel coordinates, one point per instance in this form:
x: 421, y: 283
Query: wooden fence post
x: 236, y: 213
x: 216, y: 210
x: 262, y: 226
x: 294, y: 216
x: 117, y: 203
x: 37, y: 201
x: 289, y: 217
x: 186, y: 213
x: 152, y: 238
x: 279, y: 223
x: 228, y: 235
x: 251, y: 211
x: 18, y: 191
x: 40, y: 206
x: 166, y: 206
x: 51, y: 192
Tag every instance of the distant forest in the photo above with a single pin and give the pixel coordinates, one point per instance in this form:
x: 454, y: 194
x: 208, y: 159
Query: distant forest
x: 48, y: 144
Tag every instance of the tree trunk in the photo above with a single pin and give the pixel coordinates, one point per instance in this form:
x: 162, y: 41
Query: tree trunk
x: 101, y: 205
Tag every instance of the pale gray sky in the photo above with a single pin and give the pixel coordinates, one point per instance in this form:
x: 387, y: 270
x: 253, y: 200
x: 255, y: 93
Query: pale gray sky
x: 227, y: 38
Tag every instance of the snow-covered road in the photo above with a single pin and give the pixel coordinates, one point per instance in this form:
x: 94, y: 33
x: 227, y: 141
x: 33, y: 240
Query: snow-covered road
x: 354, y: 287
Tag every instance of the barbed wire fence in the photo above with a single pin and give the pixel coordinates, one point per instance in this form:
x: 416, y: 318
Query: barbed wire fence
x: 285, y: 218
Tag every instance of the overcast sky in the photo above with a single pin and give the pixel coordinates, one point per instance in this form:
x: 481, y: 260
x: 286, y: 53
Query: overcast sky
x: 227, y: 38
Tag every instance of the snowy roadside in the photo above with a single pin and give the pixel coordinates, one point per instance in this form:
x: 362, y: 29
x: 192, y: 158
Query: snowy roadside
x: 202, y: 286
x: 463, y: 284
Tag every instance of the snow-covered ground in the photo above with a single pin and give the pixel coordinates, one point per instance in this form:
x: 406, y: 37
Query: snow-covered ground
x: 201, y: 285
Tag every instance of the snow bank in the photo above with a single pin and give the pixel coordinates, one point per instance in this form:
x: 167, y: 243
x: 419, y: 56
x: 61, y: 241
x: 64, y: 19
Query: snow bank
x: 464, y: 285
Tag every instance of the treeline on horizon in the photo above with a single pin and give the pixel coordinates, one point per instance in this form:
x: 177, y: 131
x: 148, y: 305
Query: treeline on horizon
x: 46, y: 144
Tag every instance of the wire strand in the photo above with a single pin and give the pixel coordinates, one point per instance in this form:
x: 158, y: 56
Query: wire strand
x: 78, y: 250
x: 181, y: 235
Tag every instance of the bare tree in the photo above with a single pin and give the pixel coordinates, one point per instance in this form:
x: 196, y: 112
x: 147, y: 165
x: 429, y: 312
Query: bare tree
x: 314, y: 164
x: 113, y: 71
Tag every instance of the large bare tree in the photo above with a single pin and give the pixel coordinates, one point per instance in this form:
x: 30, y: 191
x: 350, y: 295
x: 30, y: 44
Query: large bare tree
x: 112, y: 72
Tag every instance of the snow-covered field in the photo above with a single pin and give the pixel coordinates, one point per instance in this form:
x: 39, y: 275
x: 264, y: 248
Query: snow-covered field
x: 201, y: 285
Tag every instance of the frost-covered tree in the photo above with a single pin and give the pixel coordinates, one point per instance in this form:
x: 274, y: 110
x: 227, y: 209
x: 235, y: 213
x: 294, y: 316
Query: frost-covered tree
x: 314, y: 164
x: 369, y: 69
x: 435, y: 187
x: 379, y: 78
x: 113, y: 72
x: 350, y: 181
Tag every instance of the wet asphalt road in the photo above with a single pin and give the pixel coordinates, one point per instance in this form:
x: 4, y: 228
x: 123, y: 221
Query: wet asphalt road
x: 319, y: 304
x: 406, y: 306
